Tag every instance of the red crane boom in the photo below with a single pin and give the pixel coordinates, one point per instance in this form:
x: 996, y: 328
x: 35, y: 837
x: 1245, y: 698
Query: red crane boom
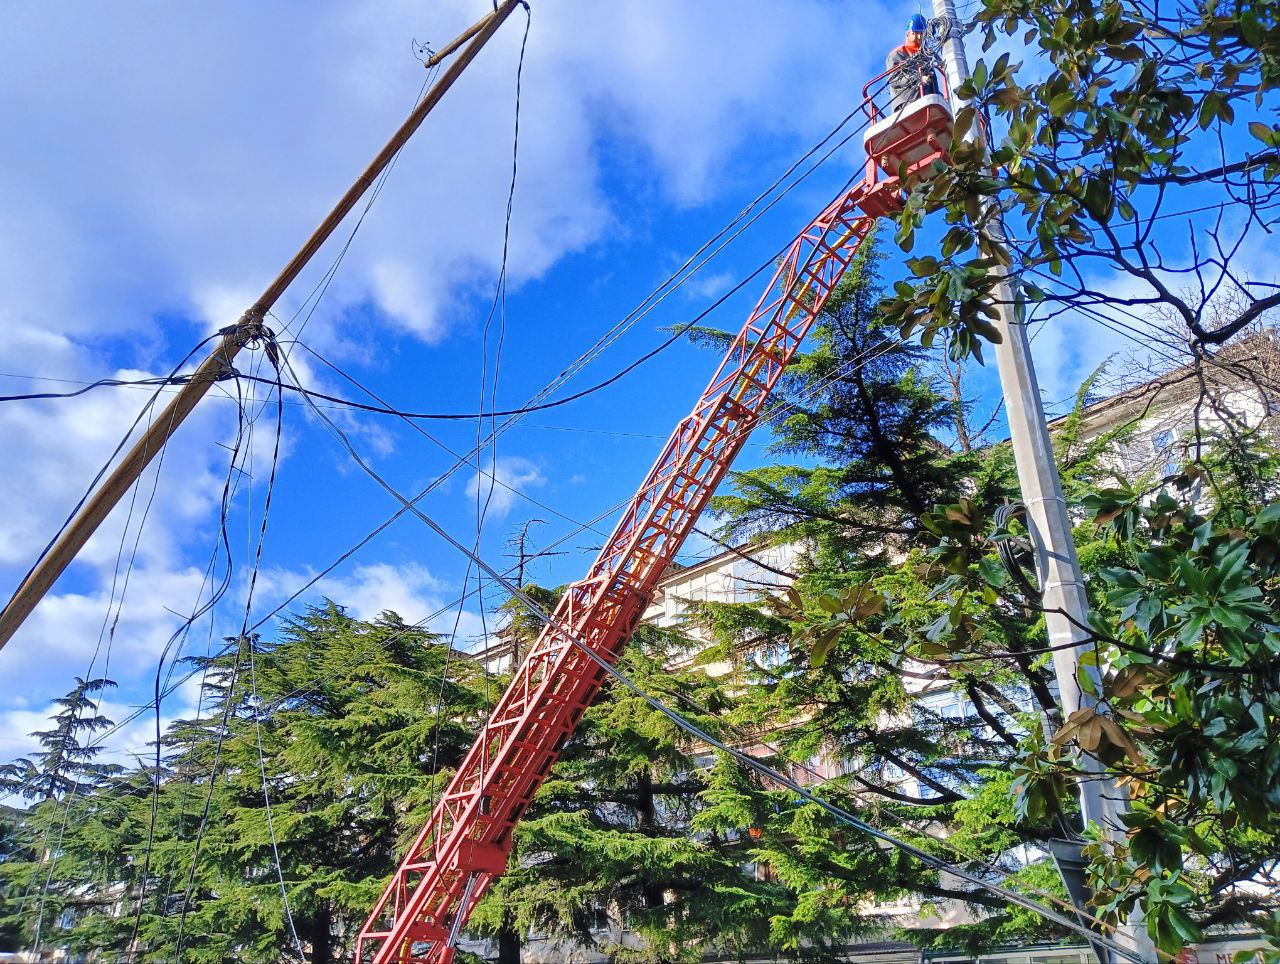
x: 465, y: 844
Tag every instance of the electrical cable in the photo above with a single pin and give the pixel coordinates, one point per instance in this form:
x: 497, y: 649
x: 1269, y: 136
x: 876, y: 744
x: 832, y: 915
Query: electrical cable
x: 631, y: 318
x: 172, y: 379
x: 245, y: 438
x: 603, y: 342
x: 229, y: 697
x: 773, y: 413
x: 317, y: 293
x: 567, y: 373
x: 674, y: 282
x: 111, y: 458
x: 87, y: 387
x: 564, y: 375
x: 1011, y: 549
x: 253, y: 674
x: 107, y: 630
x: 69, y: 798
x: 499, y: 307
x: 839, y: 813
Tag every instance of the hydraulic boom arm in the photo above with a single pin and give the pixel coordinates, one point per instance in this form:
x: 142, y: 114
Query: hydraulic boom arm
x: 465, y: 844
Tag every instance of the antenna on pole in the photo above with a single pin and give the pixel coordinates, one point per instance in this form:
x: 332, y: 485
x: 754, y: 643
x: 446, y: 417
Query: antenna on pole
x: 519, y: 543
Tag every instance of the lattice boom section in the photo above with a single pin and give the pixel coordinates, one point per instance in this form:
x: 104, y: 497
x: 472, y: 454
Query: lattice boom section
x: 466, y: 842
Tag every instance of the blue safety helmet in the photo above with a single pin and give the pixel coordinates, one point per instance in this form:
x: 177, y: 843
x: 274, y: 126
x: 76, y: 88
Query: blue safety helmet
x: 916, y: 24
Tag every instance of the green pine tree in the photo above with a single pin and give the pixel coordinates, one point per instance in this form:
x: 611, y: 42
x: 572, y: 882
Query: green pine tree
x: 360, y: 724
x: 39, y: 852
x: 866, y: 465
x: 612, y: 842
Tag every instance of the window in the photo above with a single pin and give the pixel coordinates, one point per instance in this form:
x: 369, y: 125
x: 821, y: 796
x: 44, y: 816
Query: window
x: 1162, y: 444
x: 949, y: 706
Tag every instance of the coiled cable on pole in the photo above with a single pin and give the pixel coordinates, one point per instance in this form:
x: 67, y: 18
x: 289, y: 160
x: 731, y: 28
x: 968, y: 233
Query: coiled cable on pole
x: 1017, y: 553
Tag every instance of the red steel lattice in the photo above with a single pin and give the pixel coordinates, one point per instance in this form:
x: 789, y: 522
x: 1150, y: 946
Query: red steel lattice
x: 465, y: 843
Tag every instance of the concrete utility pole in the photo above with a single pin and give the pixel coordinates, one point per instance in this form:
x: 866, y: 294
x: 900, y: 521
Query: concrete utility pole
x: 249, y: 329
x: 1061, y: 582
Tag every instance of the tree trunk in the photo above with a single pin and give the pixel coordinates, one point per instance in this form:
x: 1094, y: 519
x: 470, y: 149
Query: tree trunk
x: 646, y: 810
x: 508, y: 944
x: 322, y: 937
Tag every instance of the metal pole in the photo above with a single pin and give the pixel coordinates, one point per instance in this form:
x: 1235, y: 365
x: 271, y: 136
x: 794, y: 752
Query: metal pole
x: 1062, y: 584
x: 247, y: 329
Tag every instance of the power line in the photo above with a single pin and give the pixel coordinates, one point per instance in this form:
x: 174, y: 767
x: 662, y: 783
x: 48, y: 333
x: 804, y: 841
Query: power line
x: 674, y: 280
x: 867, y: 356
x: 253, y: 673
x: 864, y: 358
x: 673, y: 283
x: 838, y: 812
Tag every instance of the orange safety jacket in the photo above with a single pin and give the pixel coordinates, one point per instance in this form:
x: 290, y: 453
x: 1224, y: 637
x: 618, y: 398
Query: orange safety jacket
x: 908, y: 82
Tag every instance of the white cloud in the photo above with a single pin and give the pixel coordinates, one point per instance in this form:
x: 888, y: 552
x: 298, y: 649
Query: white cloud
x: 410, y: 591
x: 162, y: 190
x: 67, y: 628
x: 499, y: 488
x: 705, y: 287
x: 163, y: 187
x: 398, y: 289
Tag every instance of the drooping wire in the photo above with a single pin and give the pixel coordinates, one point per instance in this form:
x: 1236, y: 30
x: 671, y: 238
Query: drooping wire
x: 673, y: 283
x: 499, y: 307
x: 246, y: 638
x: 251, y: 640
x: 86, y: 387
x: 180, y: 633
x: 244, y: 433
x: 223, y: 727
x: 161, y: 383
x: 634, y: 316
x: 839, y: 813
x: 244, y: 437
x: 313, y: 299
x: 775, y: 412
x: 106, y: 466
x: 107, y: 630
x: 235, y: 474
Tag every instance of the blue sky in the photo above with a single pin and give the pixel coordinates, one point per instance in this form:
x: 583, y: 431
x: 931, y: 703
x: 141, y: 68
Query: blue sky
x: 164, y: 161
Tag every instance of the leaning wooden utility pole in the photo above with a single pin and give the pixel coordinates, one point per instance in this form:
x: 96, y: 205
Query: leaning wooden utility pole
x: 248, y: 329
x: 1062, y: 586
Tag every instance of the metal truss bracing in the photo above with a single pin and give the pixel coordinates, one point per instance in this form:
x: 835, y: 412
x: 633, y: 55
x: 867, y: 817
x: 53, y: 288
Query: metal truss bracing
x: 465, y: 844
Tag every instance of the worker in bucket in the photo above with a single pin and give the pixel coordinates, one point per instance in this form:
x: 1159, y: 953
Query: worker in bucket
x: 913, y: 76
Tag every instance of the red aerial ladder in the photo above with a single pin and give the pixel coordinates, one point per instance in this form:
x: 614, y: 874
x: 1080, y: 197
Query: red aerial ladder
x: 465, y: 844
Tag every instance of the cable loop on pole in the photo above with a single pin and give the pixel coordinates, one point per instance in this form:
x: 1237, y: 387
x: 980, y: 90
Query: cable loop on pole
x: 1014, y: 550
